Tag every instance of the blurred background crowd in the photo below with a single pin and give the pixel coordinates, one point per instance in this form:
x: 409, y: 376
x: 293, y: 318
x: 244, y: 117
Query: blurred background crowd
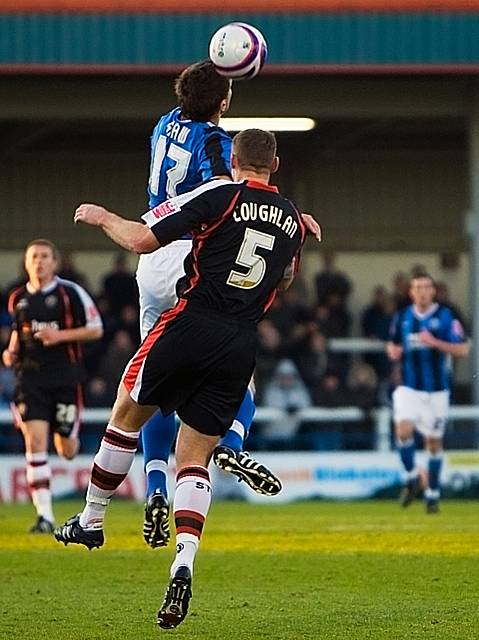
x: 296, y: 367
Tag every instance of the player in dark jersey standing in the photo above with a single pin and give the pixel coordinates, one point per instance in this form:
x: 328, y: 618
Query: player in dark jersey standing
x: 51, y: 317
x: 188, y: 147
x: 424, y: 336
x: 199, y: 357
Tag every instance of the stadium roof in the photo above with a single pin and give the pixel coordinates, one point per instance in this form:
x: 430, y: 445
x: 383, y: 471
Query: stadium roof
x: 304, y: 36
x: 219, y: 6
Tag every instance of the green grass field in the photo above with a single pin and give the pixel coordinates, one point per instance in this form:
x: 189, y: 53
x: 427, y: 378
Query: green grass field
x: 310, y: 570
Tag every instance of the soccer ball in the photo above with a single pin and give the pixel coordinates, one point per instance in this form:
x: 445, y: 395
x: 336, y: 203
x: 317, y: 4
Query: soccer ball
x: 238, y: 50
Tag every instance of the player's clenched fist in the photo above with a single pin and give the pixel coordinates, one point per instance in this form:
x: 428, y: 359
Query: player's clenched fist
x: 90, y: 214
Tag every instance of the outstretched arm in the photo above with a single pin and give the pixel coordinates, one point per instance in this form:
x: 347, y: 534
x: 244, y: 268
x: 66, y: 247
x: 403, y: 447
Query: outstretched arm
x: 129, y: 234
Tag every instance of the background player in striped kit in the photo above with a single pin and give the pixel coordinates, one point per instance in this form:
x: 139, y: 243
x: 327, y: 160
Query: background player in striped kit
x: 187, y: 148
x: 199, y: 357
x: 423, y: 337
x: 51, y: 317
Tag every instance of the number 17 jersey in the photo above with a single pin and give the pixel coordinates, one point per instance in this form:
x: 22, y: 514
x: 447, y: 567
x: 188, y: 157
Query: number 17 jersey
x: 184, y: 154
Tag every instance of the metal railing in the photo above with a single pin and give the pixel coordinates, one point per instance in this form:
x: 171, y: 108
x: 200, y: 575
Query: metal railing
x: 381, y: 418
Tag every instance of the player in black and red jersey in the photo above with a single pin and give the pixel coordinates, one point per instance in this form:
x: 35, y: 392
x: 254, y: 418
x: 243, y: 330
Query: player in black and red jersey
x: 51, y: 317
x: 198, y: 358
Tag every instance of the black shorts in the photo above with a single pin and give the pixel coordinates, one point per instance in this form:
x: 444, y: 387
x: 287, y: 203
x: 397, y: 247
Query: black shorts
x: 196, y: 363
x: 59, y: 404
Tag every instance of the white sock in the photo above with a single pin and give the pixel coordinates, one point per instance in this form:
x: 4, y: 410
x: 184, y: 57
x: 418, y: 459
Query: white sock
x: 186, y: 548
x: 190, y: 507
x: 413, y: 474
x: 110, y: 467
x: 38, y: 477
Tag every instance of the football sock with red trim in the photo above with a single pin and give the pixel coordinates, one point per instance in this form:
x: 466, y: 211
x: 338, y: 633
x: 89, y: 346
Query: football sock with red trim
x: 110, y: 467
x: 38, y: 477
x: 190, y: 507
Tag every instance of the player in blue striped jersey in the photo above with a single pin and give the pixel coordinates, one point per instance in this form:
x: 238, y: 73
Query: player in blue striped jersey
x: 188, y: 147
x: 424, y: 336
x: 184, y: 153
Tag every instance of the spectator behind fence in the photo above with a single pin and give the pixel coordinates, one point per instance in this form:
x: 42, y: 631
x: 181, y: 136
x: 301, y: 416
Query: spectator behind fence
x: 69, y: 270
x: 362, y: 390
x: 129, y: 322
x: 362, y: 386
x: 334, y: 321
x: 331, y: 391
x: 270, y: 350
x: 331, y: 282
x: 331, y: 315
x: 333, y: 318
x: 375, y: 321
x: 289, y: 311
x: 285, y: 391
x: 401, y: 297
x: 119, y: 285
x: 442, y: 297
x: 309, y: 353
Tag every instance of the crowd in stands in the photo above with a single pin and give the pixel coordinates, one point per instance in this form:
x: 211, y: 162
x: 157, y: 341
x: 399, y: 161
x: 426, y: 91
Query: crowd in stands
x: 296, y: 369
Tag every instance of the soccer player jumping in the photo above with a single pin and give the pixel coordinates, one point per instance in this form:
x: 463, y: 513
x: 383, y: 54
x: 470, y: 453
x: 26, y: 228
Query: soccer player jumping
x: 199, y: 356
x: 187, y: 148
x: 423, y: 337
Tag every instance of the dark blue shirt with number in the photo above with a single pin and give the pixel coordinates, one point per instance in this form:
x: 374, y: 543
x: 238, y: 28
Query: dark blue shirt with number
x: 184, y: 154
x: 425, y: 368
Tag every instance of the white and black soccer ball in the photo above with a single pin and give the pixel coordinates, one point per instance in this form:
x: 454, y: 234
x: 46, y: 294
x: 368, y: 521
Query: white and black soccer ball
x: 238, y: 50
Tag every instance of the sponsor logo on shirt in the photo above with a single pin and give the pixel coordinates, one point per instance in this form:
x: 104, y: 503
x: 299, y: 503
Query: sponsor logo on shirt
x: 39, y: 325
x: 92, y: 313
x: 414, y: 342
x: 165, y: 209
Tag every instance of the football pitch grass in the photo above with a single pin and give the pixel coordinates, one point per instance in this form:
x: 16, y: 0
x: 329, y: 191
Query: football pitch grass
x: 314, y: 570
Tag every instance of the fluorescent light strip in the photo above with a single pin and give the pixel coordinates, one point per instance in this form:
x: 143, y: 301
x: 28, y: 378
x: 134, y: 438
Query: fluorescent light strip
x: 270, y: 124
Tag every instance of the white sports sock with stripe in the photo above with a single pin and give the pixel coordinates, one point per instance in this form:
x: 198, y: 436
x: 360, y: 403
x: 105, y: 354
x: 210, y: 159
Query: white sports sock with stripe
x: 110, y: 467
x: 190, y: 506
x: 39, y: 477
